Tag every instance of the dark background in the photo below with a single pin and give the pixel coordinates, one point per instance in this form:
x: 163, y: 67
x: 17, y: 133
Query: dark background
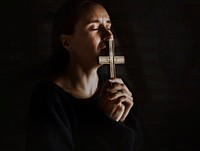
x: 160, y: 40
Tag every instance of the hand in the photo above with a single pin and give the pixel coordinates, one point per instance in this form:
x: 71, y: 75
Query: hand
x: 116, y: 100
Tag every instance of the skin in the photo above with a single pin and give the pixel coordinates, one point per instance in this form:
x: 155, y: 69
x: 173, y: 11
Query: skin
x: 92, y: 31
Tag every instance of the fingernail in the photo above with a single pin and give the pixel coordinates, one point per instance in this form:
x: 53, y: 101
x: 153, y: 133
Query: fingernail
x: 110, y: 80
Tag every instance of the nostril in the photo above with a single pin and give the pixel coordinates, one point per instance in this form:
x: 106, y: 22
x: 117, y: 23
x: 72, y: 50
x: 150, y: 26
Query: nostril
x: 107, y: 34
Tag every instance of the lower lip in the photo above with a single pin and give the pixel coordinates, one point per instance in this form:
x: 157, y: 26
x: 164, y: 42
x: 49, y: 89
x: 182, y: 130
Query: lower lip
x: 104, y: 54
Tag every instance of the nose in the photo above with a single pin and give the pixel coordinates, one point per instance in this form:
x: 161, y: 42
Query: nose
x: 106, y: 34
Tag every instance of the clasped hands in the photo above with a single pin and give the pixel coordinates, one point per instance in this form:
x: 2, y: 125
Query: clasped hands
x: 116, y: 100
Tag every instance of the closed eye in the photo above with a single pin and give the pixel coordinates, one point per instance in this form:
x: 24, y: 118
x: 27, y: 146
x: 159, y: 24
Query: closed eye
x: 94, y: 26
x: 97, y: 28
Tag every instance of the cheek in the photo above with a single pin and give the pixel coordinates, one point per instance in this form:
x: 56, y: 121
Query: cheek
x: 92, y: 41
x: 86, y: 41
x: 94, y: 45
x: 95, y: 40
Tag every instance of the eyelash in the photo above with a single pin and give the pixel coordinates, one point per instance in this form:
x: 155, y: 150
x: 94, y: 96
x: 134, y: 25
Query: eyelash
x: 98, y: 28
x: 95, y: 28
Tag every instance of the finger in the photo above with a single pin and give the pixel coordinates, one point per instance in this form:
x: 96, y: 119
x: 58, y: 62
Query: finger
x: 118, y: 94
x: 125, y: 88
x: 125, y: 113
x: 106, y: 86
x: 118, y: 112
x: 125, y: 100
x: 116, y: 87
x: 116, y: 80
x: 129, y: 104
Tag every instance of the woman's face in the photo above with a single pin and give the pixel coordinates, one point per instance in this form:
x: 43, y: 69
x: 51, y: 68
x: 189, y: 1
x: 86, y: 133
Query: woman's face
x: 92, y: 31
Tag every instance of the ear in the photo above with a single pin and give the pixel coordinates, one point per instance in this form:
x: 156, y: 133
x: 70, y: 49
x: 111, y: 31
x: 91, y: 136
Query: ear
x: 65, y: 41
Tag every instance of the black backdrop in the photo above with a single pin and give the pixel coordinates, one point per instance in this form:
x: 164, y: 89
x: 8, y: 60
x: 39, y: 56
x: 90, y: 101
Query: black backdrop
x: 160, y: 40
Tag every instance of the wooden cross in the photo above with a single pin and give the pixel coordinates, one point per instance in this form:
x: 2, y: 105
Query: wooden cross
x: 111, y: 59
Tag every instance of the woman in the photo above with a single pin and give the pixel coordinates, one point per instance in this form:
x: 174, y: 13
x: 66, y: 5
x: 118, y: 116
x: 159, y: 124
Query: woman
x: 79, y: 110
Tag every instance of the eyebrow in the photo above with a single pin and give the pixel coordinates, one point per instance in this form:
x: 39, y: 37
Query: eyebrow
x: 98, y: 21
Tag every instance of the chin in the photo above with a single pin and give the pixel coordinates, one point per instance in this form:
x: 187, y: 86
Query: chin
x: 96, y: 65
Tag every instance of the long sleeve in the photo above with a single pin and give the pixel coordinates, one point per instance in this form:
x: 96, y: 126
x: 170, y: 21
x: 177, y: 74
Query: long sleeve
x: 48, y: 126
x: 58, y: 121
x: 133, y: 123
x: 134, y: 120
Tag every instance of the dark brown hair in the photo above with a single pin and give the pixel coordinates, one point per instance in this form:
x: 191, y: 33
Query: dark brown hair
x: 63, y: 23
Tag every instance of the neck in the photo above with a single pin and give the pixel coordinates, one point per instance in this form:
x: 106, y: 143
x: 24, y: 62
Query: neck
x: 79, y: 81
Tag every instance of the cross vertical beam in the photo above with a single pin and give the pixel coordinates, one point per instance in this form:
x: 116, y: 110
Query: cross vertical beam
x: 111, y: 59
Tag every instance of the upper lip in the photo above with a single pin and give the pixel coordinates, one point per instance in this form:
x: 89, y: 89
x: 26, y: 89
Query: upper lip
x: 104, y: 44
x: 104, y: 48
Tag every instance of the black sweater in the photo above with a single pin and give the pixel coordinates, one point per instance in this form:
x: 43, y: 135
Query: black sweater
x: 57, y: 121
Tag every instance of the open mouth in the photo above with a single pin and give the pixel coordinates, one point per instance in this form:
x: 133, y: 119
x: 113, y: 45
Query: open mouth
x: 104, y: 51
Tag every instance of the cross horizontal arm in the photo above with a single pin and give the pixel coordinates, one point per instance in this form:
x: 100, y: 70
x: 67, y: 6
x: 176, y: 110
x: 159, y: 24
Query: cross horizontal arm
x: 111, y: 59
x: 106, y: 60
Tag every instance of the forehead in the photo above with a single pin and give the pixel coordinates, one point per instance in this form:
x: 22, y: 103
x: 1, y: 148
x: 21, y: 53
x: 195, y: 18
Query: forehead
x: 94, y: 13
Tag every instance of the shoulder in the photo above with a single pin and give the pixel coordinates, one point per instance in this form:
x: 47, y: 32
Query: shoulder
x: 45, y: 93
x: 45, y: 87
x: 46, y: 99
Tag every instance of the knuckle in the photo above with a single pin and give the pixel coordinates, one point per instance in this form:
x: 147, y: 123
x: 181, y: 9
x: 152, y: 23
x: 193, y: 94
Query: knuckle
x: 131, y: 104
x: 131, y: 99
x: 121, y: 99
x: 121, y: 107
x: 121, y: 81
x: 123, y: 85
